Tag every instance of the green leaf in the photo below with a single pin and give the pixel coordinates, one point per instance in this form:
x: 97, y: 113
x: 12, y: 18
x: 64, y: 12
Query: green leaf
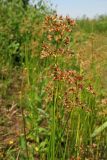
x: 99, y: 130
x: 22, y: 142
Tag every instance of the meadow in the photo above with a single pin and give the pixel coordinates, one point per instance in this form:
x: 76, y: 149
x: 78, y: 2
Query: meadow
x: 53, y: 84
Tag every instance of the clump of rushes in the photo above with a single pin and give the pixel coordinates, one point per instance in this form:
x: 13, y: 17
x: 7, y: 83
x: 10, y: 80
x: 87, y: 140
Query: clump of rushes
x: 69, y: 99
x: 61, y: 102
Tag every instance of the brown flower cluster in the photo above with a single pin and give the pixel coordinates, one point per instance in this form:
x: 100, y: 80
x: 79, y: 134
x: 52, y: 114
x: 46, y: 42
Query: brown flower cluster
x: 57, y: 33
x: 69, y: 85
x: 91, y: 89
x: 73, y: 84
x: 59, y: 24
x: 69, y: 76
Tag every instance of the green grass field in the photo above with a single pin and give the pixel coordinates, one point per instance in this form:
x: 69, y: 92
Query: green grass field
x: 53, y: 85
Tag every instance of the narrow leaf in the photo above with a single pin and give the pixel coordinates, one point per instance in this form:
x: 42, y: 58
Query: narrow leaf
x: 99, y: 130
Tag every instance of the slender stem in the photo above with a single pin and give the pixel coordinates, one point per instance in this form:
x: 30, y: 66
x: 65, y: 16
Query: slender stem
x: 53, y: 127
x: 24, y: 131
x: 78, y: 135
x: 23, y: 121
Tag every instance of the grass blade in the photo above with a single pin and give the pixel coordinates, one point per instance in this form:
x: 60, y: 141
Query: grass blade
x: 99, y: 130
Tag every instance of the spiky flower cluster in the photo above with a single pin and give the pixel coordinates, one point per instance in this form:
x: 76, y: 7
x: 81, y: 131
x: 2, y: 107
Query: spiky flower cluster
x: 70, y: 76
x: 70, y: 87
x: 57, y: 35
x: 73, y: 84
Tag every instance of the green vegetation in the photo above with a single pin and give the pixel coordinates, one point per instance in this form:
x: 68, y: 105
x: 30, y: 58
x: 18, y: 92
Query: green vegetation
x: 96, y: 25
x: 52, y: 84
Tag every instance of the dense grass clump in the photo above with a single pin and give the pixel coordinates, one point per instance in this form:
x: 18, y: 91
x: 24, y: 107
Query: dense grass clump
x: 53, y: 96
